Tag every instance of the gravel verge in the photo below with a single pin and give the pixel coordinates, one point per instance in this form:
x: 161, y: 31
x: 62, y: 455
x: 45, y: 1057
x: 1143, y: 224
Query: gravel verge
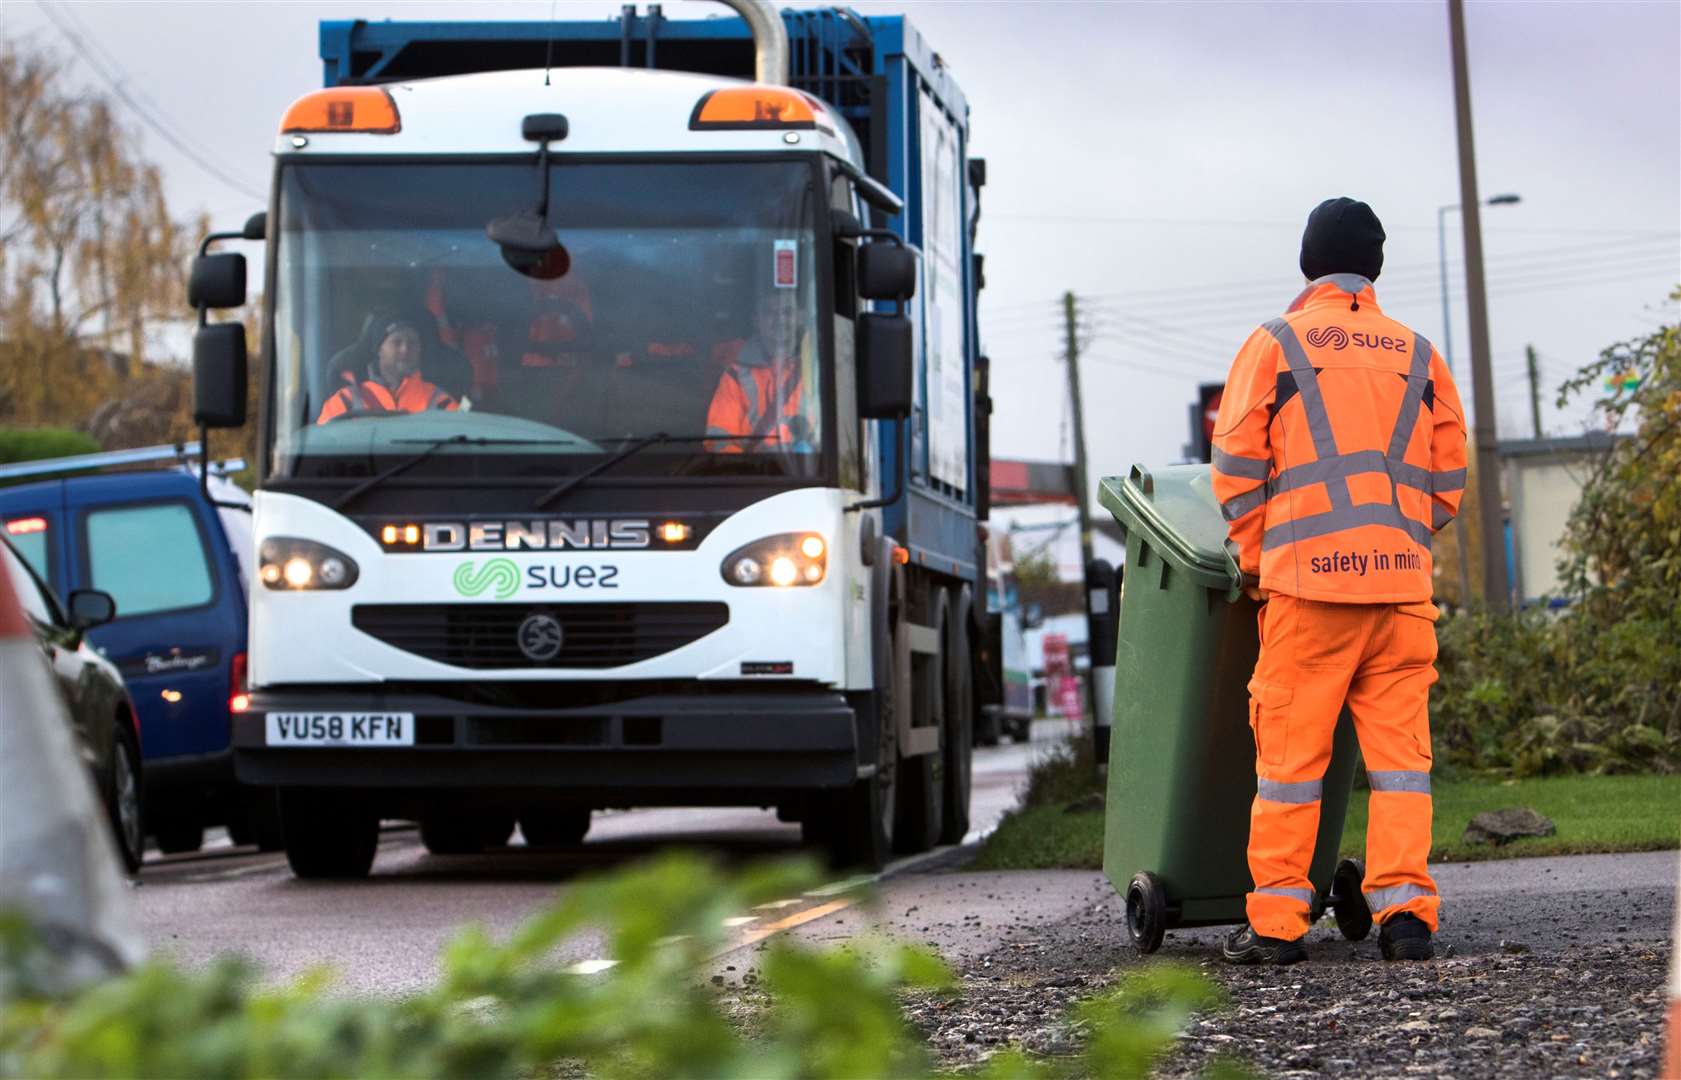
x: 1542, y: 974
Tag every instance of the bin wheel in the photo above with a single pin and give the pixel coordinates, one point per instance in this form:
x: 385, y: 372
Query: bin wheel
x: 1146, y: 912
x: 1354, y: 916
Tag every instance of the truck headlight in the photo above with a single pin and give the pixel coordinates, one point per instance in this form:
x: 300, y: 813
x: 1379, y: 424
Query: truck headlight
x: 783, y: 561
x: 287, y: 562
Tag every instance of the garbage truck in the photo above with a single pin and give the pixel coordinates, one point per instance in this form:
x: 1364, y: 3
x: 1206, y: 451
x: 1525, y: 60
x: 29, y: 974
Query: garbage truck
x: 617, y: 432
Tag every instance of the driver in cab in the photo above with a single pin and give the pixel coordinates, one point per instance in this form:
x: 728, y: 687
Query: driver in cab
x: 392, y: 382
x: 759, y: 394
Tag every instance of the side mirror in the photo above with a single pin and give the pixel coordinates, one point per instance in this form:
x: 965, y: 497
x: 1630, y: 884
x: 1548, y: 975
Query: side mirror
x: 90, y: 608
x: 217, y: 281
x: 884, y: 366
x: 256, y: 227
x: 886, y: 272
x: 219, y: 375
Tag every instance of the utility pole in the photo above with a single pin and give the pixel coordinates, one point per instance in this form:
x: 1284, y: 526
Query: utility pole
x: 1071, y: 355
x: 1482, y: 379
x: 1082, y: 492
x: 1534, y: 389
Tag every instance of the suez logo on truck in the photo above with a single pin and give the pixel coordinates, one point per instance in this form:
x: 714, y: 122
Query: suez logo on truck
x: 501, y: 578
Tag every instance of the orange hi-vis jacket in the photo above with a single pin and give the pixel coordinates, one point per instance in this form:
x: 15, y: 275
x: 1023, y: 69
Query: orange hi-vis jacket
x: 414, y: 394
x: 755, y: 396
x: 1339, y: 450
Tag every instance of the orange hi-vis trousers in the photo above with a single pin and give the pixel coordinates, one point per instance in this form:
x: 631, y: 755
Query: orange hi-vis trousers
x: 1379, y: 659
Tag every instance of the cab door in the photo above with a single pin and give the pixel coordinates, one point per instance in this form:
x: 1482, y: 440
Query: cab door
x: 175, y: 618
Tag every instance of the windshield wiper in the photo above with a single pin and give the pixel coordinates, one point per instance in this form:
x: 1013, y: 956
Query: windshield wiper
x: 637, y: 445
x: 432, y: 447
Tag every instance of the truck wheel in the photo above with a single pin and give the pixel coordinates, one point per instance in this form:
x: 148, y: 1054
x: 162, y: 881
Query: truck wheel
x: 921, y: 779
x: 328, y: 834
x: 555, y: 827
x: 177, y: 832
x: 860, y: 834
x: 451, y: 831
x: 123, y: 799
x: 958, y: 743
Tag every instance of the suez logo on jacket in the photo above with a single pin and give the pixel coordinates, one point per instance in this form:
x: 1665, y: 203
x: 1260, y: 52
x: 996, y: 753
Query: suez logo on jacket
x: 1338, y: 338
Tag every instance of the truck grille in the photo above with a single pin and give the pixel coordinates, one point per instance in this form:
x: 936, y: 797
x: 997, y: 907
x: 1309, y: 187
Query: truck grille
x: 488, y: 636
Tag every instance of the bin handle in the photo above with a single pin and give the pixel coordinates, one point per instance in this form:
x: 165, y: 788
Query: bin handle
x: 1142, y: 479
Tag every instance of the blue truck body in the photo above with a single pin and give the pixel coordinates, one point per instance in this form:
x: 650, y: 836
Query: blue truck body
x: 173, y: 561
x: 898, y: 95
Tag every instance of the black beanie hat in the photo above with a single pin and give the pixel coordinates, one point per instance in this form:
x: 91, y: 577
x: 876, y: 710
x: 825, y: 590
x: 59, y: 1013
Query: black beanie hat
x: 1343, y: 236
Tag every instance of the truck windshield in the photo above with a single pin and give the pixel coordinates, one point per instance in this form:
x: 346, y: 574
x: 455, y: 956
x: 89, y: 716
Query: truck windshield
x: 682, y: 301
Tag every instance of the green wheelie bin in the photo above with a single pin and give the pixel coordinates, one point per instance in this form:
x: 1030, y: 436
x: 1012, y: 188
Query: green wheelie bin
x: 1181, y: 753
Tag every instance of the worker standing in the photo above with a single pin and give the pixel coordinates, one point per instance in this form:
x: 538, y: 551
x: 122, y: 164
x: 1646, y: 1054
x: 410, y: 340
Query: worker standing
x: 1339, y: 450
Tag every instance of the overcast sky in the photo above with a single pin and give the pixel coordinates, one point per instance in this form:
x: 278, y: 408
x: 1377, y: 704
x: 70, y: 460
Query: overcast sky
x: 1156, y: 159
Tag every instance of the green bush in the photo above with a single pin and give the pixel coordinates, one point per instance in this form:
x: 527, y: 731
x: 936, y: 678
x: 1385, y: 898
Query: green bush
x: 1596, y: 687
x: 508, y: 1009
x: 33, y: 444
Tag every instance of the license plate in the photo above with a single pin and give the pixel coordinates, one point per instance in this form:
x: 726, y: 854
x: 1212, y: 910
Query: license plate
x: 340, y: 729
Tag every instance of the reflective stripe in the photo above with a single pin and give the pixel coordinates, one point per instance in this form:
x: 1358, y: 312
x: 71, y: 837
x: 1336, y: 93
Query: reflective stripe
x: 1305, y: 791
x: 1247, y: 468
x: 1399, y: 780
x: 1381, y: 899
x: 1347, y: 517
x: 750, y: 394
x: 1238, y: 505
x: 1307, y: 385
x: 1439, y: 516
x: 717, y: 431
x: 1407, y: 419
x: 1304, y: 895
x: 1448, y: 480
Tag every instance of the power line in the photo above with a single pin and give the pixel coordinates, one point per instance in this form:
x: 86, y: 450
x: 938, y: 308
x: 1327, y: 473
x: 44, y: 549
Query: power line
x: 158, y: 126
x: 1266, y: 223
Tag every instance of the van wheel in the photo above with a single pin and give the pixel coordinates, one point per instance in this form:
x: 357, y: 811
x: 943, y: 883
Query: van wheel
x: 555, y: 827
x: 328, y: 834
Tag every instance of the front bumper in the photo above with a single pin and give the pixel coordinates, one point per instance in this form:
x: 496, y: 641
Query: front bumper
x: 666, y: 748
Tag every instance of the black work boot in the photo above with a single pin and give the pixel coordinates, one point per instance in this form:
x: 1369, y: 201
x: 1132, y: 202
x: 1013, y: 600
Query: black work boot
x: 1245, y: 946
x: 1406, y: 937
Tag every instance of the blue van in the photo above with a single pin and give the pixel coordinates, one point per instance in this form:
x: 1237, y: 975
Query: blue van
x: 176, y: 556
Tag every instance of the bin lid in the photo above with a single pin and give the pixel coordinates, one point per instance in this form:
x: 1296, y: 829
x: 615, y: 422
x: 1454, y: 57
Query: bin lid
x: 1175, y: 507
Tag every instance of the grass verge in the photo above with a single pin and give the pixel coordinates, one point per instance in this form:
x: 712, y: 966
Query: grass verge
x: 1593, y: 814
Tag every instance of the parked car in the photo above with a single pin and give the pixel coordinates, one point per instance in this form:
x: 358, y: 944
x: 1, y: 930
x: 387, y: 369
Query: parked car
x: 175, y: 555
x: 99, y: 707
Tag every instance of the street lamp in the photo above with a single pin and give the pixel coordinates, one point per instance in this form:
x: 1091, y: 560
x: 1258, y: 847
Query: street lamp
x: 1442, y: 246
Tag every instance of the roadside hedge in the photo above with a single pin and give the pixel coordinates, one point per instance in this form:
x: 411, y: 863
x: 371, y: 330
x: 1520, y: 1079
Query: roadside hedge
x: 33, y: 444
x: 1597, y: 686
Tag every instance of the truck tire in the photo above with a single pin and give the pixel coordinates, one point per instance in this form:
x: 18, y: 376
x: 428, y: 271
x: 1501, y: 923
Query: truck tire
x: 452, y: 831
x: 958, y: 742
x: 555, y: 826
x: 328, y: 834
x: 921, y: 779
x: 859, y: 834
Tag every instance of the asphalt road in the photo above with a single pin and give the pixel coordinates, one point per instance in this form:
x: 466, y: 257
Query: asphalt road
x: 384, y: 934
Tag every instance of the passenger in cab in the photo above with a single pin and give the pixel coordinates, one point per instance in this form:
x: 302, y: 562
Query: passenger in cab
x: 392, y: 381
x: 761, y: 390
